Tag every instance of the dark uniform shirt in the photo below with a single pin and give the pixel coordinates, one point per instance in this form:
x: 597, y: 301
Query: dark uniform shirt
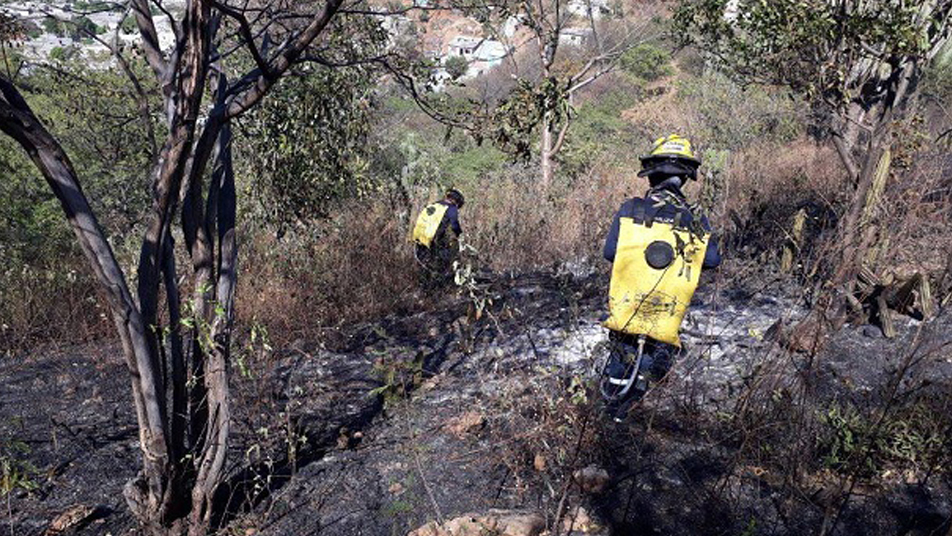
x: 451, y: 217
x: 658, y: 208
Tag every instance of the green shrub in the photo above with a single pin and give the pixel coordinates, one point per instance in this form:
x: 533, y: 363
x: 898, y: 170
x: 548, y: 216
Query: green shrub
x: 734, y: 117
x: 909, y: 439
x: 646, y: 62
x: 456, y: 66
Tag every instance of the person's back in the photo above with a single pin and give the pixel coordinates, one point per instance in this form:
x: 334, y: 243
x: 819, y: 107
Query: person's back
x: 658, y: 246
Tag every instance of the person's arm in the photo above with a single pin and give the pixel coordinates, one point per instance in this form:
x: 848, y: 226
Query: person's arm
x: 453, y: 214
x: 611, y: 241
x: 712, y: 257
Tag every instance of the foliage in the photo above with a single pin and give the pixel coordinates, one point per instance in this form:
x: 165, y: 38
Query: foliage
x: 15, y: 472
x: 855, y: 443
x: 306, y: 145
x: 598, y: 121
x: 96, y: 115
x: 512, y: 124
x: 83, y: 26
x: 467, y: 165
x: 128, y: 25
x: 76, y: 28
x: 811, y: 46
x: 98, y: 122
x: 398, y: 377
x: 456, y: 66
x: 96, y: 6
x: 734, y: 116
x: 646, y: 62
x: 54, y: 26
x: 63, y: 54
x: 937, y: 82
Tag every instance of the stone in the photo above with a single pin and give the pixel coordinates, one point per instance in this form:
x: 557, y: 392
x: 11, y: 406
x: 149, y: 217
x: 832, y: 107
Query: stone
x: 539, y: 462
x: 495, y: 522
x: 467, y: 423
x: 578, y: 521
x: 74, y: 518
x: 871, y: 331
x: 592, y: 479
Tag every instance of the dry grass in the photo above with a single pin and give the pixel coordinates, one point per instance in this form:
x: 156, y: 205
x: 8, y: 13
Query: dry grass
x: 50, y: 303
x: 357, y: 266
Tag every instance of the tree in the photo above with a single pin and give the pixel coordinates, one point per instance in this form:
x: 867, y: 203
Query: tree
x: 306, y: 146
x: 556, y: 85
x: 456, y: 67
x: 858, y: 63
x: 178, y: 371
x: 541, y: 104
x: 536, y: 113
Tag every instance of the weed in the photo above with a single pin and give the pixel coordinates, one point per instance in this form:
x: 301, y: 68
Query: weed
x: 397, y: 377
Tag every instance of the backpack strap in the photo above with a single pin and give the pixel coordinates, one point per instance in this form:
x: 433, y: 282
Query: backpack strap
x: 640, y: 216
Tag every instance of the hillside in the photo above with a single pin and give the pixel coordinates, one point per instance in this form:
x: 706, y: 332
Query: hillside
x: 219, y: 313
x: 488, y: 416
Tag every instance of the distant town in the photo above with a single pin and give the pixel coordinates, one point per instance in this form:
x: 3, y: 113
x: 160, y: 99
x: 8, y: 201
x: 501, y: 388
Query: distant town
x: 461, y: 46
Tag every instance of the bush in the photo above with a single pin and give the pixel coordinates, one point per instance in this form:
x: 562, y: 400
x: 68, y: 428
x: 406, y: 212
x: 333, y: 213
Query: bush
x: 63, y: 54
x: 646, y: 62
x: 54, y: 26
x: 456, y: 66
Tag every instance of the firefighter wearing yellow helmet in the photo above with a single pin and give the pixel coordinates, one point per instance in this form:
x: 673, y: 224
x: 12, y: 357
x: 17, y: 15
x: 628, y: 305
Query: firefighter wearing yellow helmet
x: 436, y: 247
x: 658, y: 245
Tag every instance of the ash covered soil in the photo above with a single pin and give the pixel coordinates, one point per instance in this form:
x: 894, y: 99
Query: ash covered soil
x: 381, y: 428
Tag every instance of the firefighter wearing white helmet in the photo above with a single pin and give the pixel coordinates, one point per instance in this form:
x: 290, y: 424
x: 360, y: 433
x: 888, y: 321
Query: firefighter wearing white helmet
x: 658, y: 245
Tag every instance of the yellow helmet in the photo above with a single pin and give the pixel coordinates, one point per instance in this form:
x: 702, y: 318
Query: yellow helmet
x: 671, y: 147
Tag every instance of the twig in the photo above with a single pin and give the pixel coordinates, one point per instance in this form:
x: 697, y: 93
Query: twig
x: 426, y: 486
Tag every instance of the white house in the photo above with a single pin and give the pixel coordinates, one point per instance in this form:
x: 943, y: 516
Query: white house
x: 574, y: 36
x: 482, y: 54
x: 464, y: 45
x: 580, y: 8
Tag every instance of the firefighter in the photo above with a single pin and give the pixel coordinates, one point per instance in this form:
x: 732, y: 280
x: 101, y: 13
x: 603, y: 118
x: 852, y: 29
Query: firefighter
x: 658, y: 245
x: 436, y: 235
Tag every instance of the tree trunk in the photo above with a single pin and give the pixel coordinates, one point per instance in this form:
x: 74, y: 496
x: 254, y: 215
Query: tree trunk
x: 184, y: 419
x: 828, y: 313
x: 139, y: 348
x: 546, y: 155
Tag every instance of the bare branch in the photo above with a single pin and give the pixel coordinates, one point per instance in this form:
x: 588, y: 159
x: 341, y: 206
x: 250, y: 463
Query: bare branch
x: 150, y: 38
x: 248, y: 36
x: 262, y: 84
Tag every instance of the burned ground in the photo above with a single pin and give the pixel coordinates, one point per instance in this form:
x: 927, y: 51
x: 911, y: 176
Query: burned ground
x: 382, y: 427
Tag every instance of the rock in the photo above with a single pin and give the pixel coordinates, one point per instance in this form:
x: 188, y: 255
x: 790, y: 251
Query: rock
x: 578, y: 521
x: 871, y: 331
x: 539, y: 462
x: 592, y: 479
x: 467, y: 423
x: 497, y: 523
x: 74, y: 518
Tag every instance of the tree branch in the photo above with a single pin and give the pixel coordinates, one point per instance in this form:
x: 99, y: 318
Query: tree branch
x: 150, y: 38
x: 262, y: 84
x: 248, y: 36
